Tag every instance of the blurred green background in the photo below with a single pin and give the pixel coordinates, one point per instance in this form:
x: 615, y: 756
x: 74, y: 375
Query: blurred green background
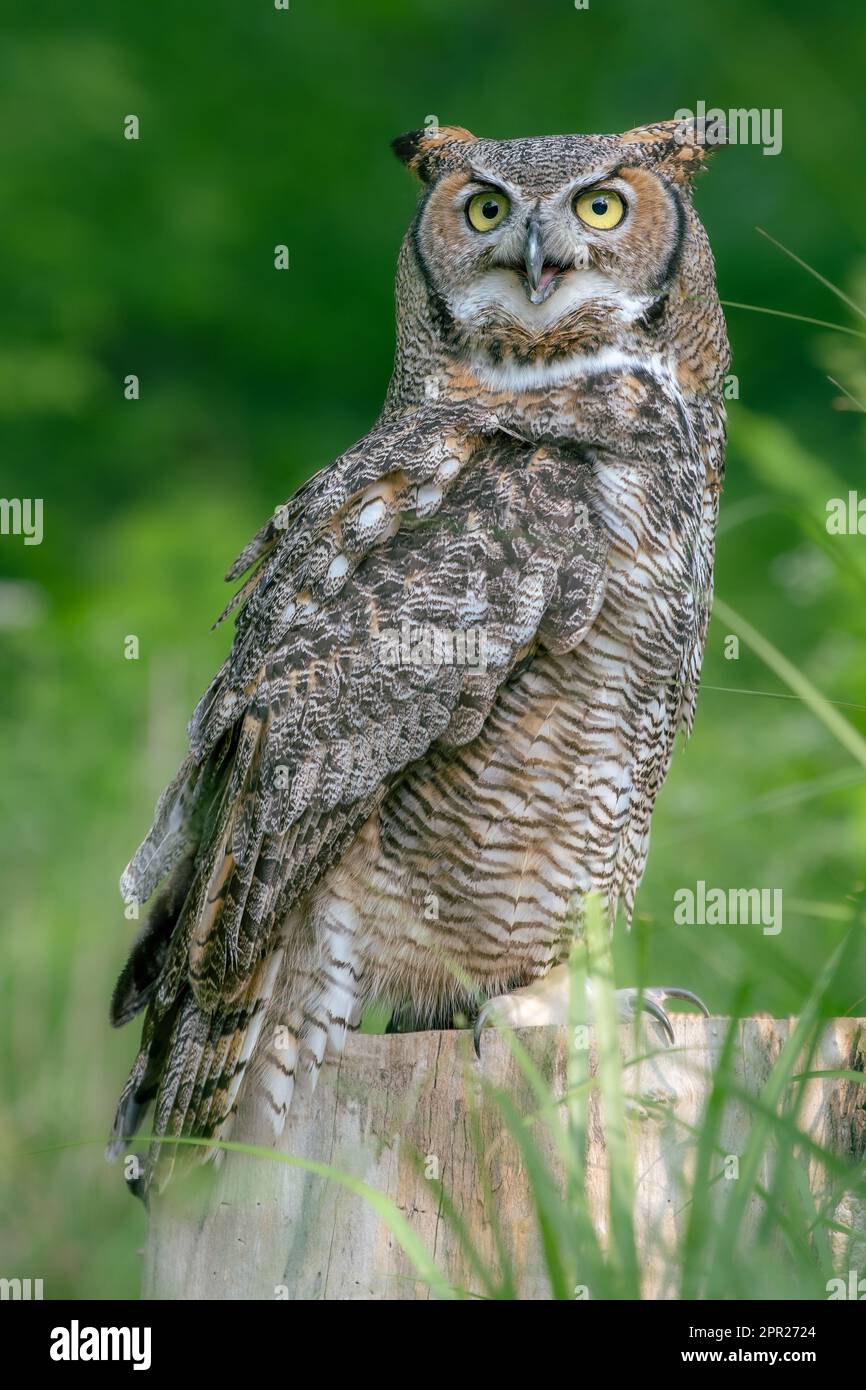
x: 155, y: 257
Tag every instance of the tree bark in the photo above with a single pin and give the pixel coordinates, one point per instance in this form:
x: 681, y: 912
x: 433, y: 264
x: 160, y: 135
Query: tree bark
x: 401, y: 1106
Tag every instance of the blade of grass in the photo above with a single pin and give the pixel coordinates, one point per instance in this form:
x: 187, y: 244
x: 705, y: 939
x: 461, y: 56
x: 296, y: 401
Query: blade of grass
x: 801, y: 318
x: 621, y: 1193
x: 846, y: 734
x: 828, y: 284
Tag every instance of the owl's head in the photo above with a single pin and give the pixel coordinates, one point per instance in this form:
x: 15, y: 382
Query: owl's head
x: 553, y: 242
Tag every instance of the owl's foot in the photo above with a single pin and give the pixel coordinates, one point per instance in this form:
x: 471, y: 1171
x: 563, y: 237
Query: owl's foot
x: 546, y: 1001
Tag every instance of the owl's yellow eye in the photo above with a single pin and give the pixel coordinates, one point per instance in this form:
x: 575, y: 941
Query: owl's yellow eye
x: 486, y: 210
x: 601, y: 208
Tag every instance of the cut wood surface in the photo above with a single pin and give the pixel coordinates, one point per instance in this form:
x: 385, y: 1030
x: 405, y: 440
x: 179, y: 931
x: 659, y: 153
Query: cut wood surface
x: 399, y: 1108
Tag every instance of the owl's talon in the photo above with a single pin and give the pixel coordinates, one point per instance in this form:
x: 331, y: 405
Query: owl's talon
x: 655, y: 1010
x: 542, y: 1002
x: 674, y: 992
x: 651, y: 1001
x: 481, y: 1023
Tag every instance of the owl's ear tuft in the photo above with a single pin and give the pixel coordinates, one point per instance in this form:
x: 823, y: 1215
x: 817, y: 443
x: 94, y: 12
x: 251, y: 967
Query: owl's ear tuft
x: 427, y: 152
x: 679, y: 148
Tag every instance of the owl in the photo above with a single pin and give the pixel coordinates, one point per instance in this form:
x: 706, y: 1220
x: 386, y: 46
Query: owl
x: 463, y: 650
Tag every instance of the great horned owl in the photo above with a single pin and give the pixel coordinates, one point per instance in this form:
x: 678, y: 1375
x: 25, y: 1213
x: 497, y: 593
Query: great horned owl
x: 465, y: 647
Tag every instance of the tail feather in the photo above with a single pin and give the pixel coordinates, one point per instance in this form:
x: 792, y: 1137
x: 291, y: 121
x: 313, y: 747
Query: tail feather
x: 191, y: 1067
x: 138, y: 979
x: 228, y: 1072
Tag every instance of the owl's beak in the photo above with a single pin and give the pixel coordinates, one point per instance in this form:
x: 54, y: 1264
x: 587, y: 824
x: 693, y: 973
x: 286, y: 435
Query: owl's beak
x: 533, y: 256
x: 540, y: 274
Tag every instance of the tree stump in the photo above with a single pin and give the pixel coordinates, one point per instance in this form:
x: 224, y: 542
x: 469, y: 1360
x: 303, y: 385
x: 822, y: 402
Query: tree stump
x: 400, y: 1106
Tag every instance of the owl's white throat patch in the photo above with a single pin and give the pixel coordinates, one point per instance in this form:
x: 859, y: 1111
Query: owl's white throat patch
x: 539, y: 376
